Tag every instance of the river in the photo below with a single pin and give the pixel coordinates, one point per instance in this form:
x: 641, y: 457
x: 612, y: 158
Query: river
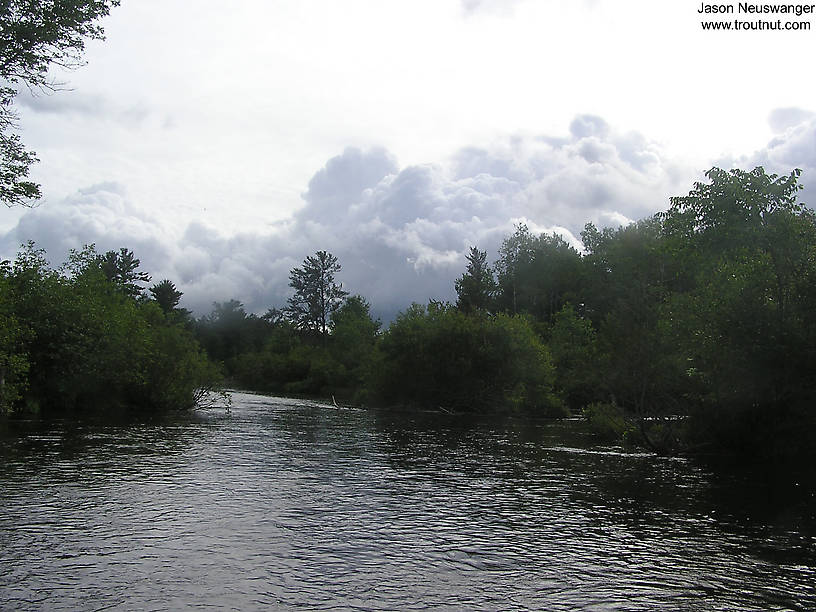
x: 287, y: 504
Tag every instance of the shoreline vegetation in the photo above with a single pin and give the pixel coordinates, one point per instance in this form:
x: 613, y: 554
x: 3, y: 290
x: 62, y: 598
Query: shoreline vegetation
x: 690, y: 332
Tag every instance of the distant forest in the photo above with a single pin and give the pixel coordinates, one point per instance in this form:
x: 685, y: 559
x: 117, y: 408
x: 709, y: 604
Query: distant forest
x: 692, y: 331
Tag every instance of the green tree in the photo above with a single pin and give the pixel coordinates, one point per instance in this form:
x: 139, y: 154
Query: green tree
x: 353, y: 343
x: 574, y: 346
x: 14, y: 364
x: 121, y: 269
x: 626, y: 296
x: 439, y: 357
x: 537, y: 275
x: 476, y: 288
x: 90, y: 347
x: 271, y: 366
x: 166, y: 295
x: 515, y: 253
x: 34, y: 36
x: 744, y: 316
x: 225, y: 332
x: 317, y: 295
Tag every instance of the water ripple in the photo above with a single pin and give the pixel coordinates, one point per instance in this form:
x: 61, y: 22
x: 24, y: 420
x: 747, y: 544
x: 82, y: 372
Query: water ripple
x: 297, y: 504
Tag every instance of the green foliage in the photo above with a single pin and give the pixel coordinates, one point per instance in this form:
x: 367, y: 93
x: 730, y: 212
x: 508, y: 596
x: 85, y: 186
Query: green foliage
x: 515, y: 257
x: 353, y: 345
x: 73, y: 341
x: 233, y: 338
x: 284, y: 359
x: 166, y: 295
x: 537, y: 275
x: 626, y: 271
x: 609, y: 422
x: 176, y: 370
x: 440, y: 357
x: 15, y: 161
x: 574, y: 346
x: 476, y: 288
x: 732, y: 208
x: 35, y: 35
x: 745, y: 319
x: 14, y: 362
x: 697, y: 325
x: 121, y: 269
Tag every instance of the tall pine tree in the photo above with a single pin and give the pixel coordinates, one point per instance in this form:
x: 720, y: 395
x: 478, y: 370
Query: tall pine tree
x: 317, y: 295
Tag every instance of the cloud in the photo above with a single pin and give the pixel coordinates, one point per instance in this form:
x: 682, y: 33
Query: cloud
x: 585, y: 126
x: 400, y: 233
x: 503, y: 7
x: 794, y: 146
x: 62, y: 102
x: 780, y: 119
x: 341, y: 182
x: 99, y: 214
x: 78, y: 104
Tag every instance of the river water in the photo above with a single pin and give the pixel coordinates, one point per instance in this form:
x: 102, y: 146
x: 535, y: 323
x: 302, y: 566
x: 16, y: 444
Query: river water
x: 287, y: 504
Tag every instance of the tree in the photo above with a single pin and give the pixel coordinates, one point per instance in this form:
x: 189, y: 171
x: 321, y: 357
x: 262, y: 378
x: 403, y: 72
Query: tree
x: 166, y: 295
x: 516, y: 251
x: 476, y: 287
x: 121, y: 270
x: 574, y: 347
x: 744, y: 317
x: 35, y: 35
x: 353, y: 325
x: 317, y: 295
x: 72, y: 341
x: 626, y: 299
x: 14, y: 362
x: 537, y: 275
x: 354, y: 337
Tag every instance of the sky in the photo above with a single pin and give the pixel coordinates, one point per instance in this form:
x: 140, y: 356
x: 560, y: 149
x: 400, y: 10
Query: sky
x: 223, y: 142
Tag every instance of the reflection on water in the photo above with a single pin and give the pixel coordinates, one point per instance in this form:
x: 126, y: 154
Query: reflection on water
x: 295, y: 504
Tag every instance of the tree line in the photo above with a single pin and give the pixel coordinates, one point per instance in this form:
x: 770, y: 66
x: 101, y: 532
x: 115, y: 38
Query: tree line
x: 691, y: 330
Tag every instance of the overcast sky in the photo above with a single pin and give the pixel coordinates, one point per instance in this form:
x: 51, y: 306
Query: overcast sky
x: 225, y: 141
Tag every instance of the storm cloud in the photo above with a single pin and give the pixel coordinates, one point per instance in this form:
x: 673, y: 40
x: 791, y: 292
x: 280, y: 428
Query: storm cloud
x: 401, y: 233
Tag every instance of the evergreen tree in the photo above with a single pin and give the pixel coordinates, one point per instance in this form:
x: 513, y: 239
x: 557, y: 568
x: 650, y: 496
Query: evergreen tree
x: 166, y: 295
x: 317, y: 295
x: 476, y: 288
x: 121, y: 270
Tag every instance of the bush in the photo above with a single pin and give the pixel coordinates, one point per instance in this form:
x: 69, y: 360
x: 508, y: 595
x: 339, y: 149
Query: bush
x: 441, y: 358
x: 72, y: 340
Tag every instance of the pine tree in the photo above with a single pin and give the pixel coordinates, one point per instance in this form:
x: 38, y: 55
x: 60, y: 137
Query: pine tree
x: 476, y: 288
x: 317, y: 295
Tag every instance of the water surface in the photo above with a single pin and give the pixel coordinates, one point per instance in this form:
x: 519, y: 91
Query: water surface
x: 293, y: 504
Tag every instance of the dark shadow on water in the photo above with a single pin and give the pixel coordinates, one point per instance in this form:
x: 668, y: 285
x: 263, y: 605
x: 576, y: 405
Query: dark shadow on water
x: 775, y: 503
x: 29, y: 445
x: 640, y: 491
